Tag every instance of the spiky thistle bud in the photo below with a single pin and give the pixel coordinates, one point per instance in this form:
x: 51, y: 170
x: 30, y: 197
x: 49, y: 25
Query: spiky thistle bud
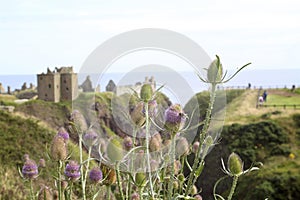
x: 146, y: 92
x: 137, y: 115
x: 90, y: 138
x: 127, y: 143
x: 182, y: 147
x: 235, y: 164
x: 79, y: 121
x: 154, y: 144
x: 215, y: 71
x: 174, y: 118
x: 195, y: 147
x: 72, y: 170
x: 152, y: 107
x: 58, y: 148
x: 42, y: 163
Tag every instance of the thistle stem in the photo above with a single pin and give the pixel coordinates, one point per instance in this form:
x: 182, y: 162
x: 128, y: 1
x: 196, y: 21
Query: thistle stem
x: 147, y: 148
x: 170, y: 185
x: 119, y: 180
x: 81, y: 168
x: 59, y: 166
x: 86, y: 171
x: 197, y: 163
x: 234, y: 183
x: 31, y: 190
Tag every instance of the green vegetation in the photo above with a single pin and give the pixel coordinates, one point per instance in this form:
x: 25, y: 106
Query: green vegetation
x: 54, y: 114
x: 283, y: 100
x: 269, y: 135
x: 283, y: 97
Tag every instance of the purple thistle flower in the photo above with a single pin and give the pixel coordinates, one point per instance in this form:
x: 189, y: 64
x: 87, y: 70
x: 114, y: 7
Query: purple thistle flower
x: 63, y: 133
x: 90, y: 138
x: 72, y: 170
x: 95, y: 175
x: 174, y: 114
x: 30, y: 169
x: 174, y: 118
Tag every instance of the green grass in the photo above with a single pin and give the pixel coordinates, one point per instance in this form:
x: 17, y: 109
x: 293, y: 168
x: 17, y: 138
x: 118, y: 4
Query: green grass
x: 283, y: 100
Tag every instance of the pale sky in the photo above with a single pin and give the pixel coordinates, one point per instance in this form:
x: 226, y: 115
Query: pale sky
x: 40, y: 34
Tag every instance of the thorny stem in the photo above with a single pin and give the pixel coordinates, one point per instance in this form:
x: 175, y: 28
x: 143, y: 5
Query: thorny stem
x: 193, y: 176
x: 170, y: 185
x: 234, y: 183
x: 59, y: 166
x: 119, y: 181
x: 31, y: 190
x: 147, y: 148
x: 86, y: 171
x: 81, y: 168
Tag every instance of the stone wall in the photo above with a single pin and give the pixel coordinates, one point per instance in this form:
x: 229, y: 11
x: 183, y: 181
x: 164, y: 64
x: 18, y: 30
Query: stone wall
x: 58, y: 85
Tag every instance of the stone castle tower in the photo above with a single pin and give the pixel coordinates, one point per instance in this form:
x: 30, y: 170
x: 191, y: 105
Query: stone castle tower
x: 58, y: 85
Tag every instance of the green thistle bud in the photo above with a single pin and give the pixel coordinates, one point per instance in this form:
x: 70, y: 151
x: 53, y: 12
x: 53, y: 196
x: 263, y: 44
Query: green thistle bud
x: 235, y: 164
x: 181, y: 178
x: 215, y: 71
x: 140, y: 179
x: 114, y: 150
x: 146, y: 92
x: 208, y: 141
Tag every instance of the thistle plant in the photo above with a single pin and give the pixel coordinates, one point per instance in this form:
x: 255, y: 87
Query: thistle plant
x: 146, y: 162
x: 235, y: 169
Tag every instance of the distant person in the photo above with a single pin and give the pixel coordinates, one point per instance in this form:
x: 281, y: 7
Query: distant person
x: 293, y: 88
x: 249, y: 86
x: 265, y: 94
x: 260, y: 100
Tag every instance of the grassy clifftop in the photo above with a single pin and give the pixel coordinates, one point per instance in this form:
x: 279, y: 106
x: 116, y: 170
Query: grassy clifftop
x: 269, y: 135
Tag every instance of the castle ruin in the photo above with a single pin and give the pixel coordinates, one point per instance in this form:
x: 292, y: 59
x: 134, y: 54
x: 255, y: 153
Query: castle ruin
x: 58, y: 85
x: 123, y: 89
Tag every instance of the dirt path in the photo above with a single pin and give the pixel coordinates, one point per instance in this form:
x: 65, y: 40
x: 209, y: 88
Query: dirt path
x: 243, y: 109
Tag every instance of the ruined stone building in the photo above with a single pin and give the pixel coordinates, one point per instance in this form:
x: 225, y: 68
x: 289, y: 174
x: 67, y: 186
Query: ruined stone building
x: 58, y: 85
x: 123, y: 89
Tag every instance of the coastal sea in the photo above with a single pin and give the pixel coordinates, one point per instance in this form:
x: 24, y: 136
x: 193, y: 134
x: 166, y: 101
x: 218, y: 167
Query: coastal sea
x: 176, y: 82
